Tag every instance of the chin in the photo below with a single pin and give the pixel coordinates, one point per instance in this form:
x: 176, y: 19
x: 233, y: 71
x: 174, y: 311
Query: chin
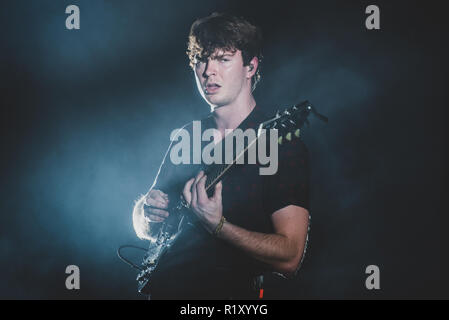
x: 214, y: 102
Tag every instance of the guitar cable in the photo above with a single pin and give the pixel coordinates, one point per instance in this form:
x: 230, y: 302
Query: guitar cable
x: 126, y: 260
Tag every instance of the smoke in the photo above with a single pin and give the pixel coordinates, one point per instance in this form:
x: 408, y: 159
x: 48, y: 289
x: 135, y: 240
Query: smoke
x: 87, y: 116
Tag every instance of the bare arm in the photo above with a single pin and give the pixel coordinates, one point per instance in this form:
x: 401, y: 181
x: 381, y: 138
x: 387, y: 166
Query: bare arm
x: 282, y: 249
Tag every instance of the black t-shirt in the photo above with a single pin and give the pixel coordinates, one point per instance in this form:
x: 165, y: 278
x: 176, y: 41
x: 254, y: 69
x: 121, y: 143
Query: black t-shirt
x: 199, y: 265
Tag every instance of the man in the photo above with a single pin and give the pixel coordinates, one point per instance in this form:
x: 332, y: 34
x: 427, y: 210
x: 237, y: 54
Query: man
x: 251, y: 224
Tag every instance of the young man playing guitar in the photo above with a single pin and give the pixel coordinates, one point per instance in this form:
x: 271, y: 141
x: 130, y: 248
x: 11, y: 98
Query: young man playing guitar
x: 251, y: 224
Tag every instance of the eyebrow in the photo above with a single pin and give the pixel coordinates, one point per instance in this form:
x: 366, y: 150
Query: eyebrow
x: 224, y: 55
x: 228, y: 54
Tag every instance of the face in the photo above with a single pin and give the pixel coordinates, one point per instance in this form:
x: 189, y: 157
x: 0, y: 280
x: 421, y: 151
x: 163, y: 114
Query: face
x: 222, y: 77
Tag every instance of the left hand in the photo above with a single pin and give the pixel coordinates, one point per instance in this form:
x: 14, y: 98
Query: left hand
x: 208, y: 210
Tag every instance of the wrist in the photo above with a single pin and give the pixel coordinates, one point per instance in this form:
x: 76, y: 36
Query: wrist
x: 219, y: 226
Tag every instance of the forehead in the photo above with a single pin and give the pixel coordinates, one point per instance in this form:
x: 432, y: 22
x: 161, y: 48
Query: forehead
x: 224, y: 52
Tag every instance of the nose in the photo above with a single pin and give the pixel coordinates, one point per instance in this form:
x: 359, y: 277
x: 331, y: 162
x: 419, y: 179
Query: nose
x: 210, y: 68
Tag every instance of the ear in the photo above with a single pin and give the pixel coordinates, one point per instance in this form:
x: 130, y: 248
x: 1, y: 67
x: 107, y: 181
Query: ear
x: 252, y: 67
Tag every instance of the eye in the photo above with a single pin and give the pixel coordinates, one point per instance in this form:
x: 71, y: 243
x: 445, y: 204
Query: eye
x: 224, y: 59
x: 199, y: 60
x: 199, y: 63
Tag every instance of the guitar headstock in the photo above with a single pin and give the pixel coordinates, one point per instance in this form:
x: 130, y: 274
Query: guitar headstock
x: 290, y: 122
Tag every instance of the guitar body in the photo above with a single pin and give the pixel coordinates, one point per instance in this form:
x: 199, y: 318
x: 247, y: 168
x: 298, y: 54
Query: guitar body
x: 162, y: 236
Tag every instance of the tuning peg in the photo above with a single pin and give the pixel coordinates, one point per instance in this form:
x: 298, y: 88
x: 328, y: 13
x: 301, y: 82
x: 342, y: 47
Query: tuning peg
x: 289, y: 136
x: 297, y: 133
x: 280, y: 140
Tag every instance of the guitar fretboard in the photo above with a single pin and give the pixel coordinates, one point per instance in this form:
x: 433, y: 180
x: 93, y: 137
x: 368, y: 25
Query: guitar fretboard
x: 215, y: 172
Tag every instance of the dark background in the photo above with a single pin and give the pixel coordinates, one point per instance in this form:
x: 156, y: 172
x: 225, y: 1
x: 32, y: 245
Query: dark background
x: 86, y: 117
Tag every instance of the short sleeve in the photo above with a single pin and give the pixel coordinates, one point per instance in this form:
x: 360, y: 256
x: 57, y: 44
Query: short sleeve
x: 165, y: 173
x: 171, y: 177
x: 290, y: 184
x: 168, y: 177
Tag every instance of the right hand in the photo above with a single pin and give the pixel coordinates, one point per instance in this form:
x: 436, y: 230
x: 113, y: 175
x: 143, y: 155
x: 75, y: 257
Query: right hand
x: 154, y: 204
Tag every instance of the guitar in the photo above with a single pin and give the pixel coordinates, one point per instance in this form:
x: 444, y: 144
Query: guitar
x: 164, y: 234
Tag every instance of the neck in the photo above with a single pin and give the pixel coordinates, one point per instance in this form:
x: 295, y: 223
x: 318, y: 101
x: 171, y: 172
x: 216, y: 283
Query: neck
x: 230, y: 116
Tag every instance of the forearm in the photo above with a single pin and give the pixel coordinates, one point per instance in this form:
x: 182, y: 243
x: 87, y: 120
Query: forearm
x: 274, y: 249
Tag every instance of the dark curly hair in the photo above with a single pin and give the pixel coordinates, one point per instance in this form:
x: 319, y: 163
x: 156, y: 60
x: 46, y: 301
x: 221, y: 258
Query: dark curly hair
x: 226, y: 32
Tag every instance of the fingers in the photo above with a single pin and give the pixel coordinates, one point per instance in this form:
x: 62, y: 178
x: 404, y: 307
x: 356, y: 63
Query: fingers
x: 201, y: 190
x: 157, y: 199
x: 187, y: 192
x: 217, y: 193
x: 156, y: 215
x: 194, y: 188
x: 157, y: 192
x: 153, y: 218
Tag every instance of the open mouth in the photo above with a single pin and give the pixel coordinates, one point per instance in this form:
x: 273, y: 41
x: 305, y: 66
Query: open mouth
x: 211, y: 88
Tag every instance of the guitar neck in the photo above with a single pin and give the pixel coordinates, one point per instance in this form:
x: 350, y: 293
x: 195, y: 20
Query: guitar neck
x: 288, y: 124
x: 216, y: 172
